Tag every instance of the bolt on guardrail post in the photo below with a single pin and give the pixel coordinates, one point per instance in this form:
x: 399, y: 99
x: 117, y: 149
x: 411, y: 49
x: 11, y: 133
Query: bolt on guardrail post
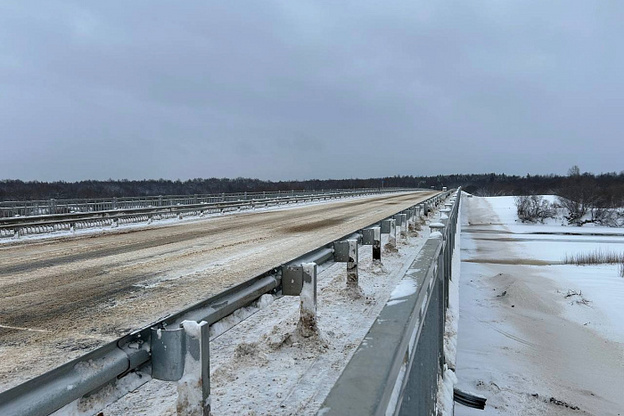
x: 307, y: 308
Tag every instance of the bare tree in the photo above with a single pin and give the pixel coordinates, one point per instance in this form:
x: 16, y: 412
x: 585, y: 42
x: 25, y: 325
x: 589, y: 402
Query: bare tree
x: 574, y: 171
x: 534, y: 208
x: 580, y: 196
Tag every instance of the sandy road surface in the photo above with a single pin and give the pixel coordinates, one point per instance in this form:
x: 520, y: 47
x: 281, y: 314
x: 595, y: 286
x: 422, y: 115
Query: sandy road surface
x: 61, y: 298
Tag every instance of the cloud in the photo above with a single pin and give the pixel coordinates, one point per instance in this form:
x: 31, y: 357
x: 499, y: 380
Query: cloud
x: 199, y: 89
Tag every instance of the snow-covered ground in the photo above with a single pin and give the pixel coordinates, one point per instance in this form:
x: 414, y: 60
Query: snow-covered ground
x: 536, y: 336
x: 263, y: 366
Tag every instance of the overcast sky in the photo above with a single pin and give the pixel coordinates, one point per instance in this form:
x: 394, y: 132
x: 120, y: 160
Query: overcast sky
x: 309, y: 89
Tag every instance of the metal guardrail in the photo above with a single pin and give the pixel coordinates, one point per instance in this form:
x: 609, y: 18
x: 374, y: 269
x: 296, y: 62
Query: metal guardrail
x: 34, y: 224
x: 68, y: 206
x: 395, y: 370
x: 132, y: 354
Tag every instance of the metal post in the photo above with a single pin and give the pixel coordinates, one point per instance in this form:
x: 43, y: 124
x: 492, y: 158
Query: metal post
x: 392, y: 240
x: 194, y: 386
x: 403, y: 225
x: 385, y: 226
x: 352, y: 266
x: 377, y: 243
x: 307, y: 317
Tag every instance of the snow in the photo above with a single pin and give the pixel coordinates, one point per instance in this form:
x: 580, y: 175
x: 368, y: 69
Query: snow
x: 88, y: 405
x: 406, y: 287
x: 445, y: 392
x: 192, y: 329
x: 260, y: 363
x: 525, y: 342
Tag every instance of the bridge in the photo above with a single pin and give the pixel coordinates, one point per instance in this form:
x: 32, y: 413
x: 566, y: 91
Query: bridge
x: 87, y: 313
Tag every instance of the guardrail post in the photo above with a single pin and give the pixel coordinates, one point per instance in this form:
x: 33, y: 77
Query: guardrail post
x: 194, y: 386
x: 307, y: 318
x: 398, y: 221
x: 352, y: 267
x: 403, y: 225
x: 392, y: 240
x: 413, y: 219
x: 372, y: 237
x: 377, y: 243
x: 183, y: 355
x: 385, y: 227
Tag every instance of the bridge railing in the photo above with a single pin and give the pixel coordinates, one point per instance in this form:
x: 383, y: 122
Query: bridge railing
x: 68, y: 217
x: 67, y: 206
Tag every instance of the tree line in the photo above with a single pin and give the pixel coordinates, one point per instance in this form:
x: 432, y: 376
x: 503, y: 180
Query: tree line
x: 604, y: 190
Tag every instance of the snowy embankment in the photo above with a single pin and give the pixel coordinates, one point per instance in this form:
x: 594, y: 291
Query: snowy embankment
x: 537, y: 336
x: 263, y: 366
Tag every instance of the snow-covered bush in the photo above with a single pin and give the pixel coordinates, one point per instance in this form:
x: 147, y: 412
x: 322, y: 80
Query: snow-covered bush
x: 534, y: 208
x: 591, y: 212
x: 608, y: 217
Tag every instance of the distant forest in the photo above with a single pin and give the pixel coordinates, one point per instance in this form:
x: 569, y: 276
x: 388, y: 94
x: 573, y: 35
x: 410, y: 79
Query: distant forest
x: 607, y: 187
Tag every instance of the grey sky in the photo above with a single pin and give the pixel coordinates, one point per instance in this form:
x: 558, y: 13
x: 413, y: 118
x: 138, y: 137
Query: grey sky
x: 308, y: 89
